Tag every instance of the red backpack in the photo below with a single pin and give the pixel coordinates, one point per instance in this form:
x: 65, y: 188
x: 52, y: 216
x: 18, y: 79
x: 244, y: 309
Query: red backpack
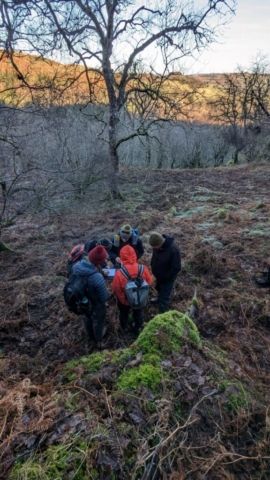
x: 74, y: 256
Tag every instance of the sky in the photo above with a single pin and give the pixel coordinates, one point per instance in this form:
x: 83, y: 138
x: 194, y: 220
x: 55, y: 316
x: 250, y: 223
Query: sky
x: 246, y: 36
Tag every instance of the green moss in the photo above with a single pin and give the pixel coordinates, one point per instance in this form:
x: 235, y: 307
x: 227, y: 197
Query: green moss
x: 165, y: 333
x: 151, y: 407
x: 202, y: 198
x: 237, y: 398
x: 173, y: 212
x: 56, y: 463
x: 258, y: 206
x: 92, y: 363
x: 217, y: 245
x: 136, y: 191
x: 236, y: 402
x: 58, y: 279
x: 115, y: 356
x: 257, y: 233
x: 189, y: 212
x: 71, y: 401
x: 5, y: 248
x: 220, y: 213
x: 214, y: 351
x: 146, y: 375
x: 195, y: 302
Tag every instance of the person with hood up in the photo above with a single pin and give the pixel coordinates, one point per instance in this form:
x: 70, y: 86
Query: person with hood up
x: 129, y: 261
x: 97, y: 293
x: 126, y: 236
x: 165, y: 265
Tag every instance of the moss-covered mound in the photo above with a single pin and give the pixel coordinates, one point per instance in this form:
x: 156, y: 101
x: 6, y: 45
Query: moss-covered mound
x: 169, y: 403
x: 164, y: 334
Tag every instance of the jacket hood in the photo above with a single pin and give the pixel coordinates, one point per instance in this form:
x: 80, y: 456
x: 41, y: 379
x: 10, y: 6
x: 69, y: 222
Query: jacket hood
x: 168, y: 241
x: 83, y: 267
x: 128, y: 255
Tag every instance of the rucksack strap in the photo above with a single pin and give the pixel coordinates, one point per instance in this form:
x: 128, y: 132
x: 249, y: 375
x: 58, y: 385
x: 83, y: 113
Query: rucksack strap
x: 141, y: 269
x: 124, y: 271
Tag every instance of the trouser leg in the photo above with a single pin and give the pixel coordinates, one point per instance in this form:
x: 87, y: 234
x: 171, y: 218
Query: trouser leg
x: 87, y: 322
x: 98, y: 314
x: 123, y: 313
x: 138, y: 318
x: 165, y: 290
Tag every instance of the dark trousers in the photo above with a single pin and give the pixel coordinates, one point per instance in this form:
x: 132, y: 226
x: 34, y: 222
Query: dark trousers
x: 164, y: 295
x: 94, y: 321
x: 123, y: 315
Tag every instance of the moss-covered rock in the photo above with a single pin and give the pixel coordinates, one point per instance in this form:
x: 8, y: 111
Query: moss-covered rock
x: 167, y: 332
x: 164, y: 334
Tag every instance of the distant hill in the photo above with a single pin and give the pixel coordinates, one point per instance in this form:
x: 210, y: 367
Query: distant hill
x: 28, y: 79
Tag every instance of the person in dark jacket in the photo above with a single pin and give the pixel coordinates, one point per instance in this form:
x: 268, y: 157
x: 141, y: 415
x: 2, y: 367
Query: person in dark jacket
x: 165, y: 265
x: 126, y: 236
x: 97, y: 293
x: 104, y: 242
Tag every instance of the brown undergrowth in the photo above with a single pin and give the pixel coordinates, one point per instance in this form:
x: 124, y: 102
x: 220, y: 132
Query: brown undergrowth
x: 209, y: 416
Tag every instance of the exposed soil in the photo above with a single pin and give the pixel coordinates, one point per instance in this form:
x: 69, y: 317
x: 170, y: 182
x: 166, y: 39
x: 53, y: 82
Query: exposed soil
x: 220, y: 220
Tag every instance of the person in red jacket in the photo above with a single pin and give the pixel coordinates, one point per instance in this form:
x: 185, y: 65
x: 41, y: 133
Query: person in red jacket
x: 129, y: 260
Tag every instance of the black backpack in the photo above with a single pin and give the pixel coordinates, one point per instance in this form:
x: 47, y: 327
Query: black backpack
x: 75, y: 294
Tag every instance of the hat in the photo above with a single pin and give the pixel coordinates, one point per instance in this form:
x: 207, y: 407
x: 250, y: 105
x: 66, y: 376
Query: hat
x: 106, y: 243
x: 156, y: 239
x: 98, y: 255
x: 125, y: 232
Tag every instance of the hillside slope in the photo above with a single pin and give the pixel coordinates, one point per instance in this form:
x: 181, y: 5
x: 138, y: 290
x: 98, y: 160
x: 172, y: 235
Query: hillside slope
x: 31, y: 79
x: 174, y: 403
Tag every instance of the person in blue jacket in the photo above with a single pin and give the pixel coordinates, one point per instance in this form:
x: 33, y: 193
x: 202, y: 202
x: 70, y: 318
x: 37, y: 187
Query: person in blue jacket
x: 126, y: 236
x: 97, y: 293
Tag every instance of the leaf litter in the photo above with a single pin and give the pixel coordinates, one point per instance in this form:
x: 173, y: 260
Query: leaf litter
x: 209, y: 417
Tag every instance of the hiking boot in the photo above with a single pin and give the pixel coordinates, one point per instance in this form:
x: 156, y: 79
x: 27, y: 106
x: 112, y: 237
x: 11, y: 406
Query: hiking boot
x: 136, y: 330
x: 124, y: 329
x: 154, y: 300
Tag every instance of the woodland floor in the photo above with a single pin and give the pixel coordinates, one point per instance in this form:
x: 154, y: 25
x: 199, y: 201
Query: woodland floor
x: 220, y: 220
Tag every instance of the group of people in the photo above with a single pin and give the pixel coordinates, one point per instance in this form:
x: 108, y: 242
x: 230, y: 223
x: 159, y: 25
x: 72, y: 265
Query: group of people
x: 125, y: 249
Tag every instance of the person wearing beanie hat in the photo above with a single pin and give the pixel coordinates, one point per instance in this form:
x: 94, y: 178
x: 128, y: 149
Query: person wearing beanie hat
x: 106, y: 243
x: 156, y: 240
x: 82, y: 250
x: 98, y: 255
x: 126, y: 236
x: 97, y: 293
x: 165, y: 266
x: 125, y: 232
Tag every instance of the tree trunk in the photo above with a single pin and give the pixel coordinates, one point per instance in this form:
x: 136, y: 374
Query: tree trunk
x: 114, y: 159
x: 235, y: 156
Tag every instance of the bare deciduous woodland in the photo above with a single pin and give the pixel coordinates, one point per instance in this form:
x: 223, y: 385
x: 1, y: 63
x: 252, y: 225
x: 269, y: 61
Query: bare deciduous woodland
x: 99, y: 126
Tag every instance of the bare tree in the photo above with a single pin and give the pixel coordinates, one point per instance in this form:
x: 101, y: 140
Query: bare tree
x: 116, y: 40
x: 242, y: 104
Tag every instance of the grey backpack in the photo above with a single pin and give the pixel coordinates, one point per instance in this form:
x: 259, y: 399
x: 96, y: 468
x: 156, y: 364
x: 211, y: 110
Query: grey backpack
x: 136, y: 289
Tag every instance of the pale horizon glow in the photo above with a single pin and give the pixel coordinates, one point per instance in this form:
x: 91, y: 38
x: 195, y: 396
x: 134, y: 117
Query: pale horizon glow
x: 240, y: 42
x: 245, y: 37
